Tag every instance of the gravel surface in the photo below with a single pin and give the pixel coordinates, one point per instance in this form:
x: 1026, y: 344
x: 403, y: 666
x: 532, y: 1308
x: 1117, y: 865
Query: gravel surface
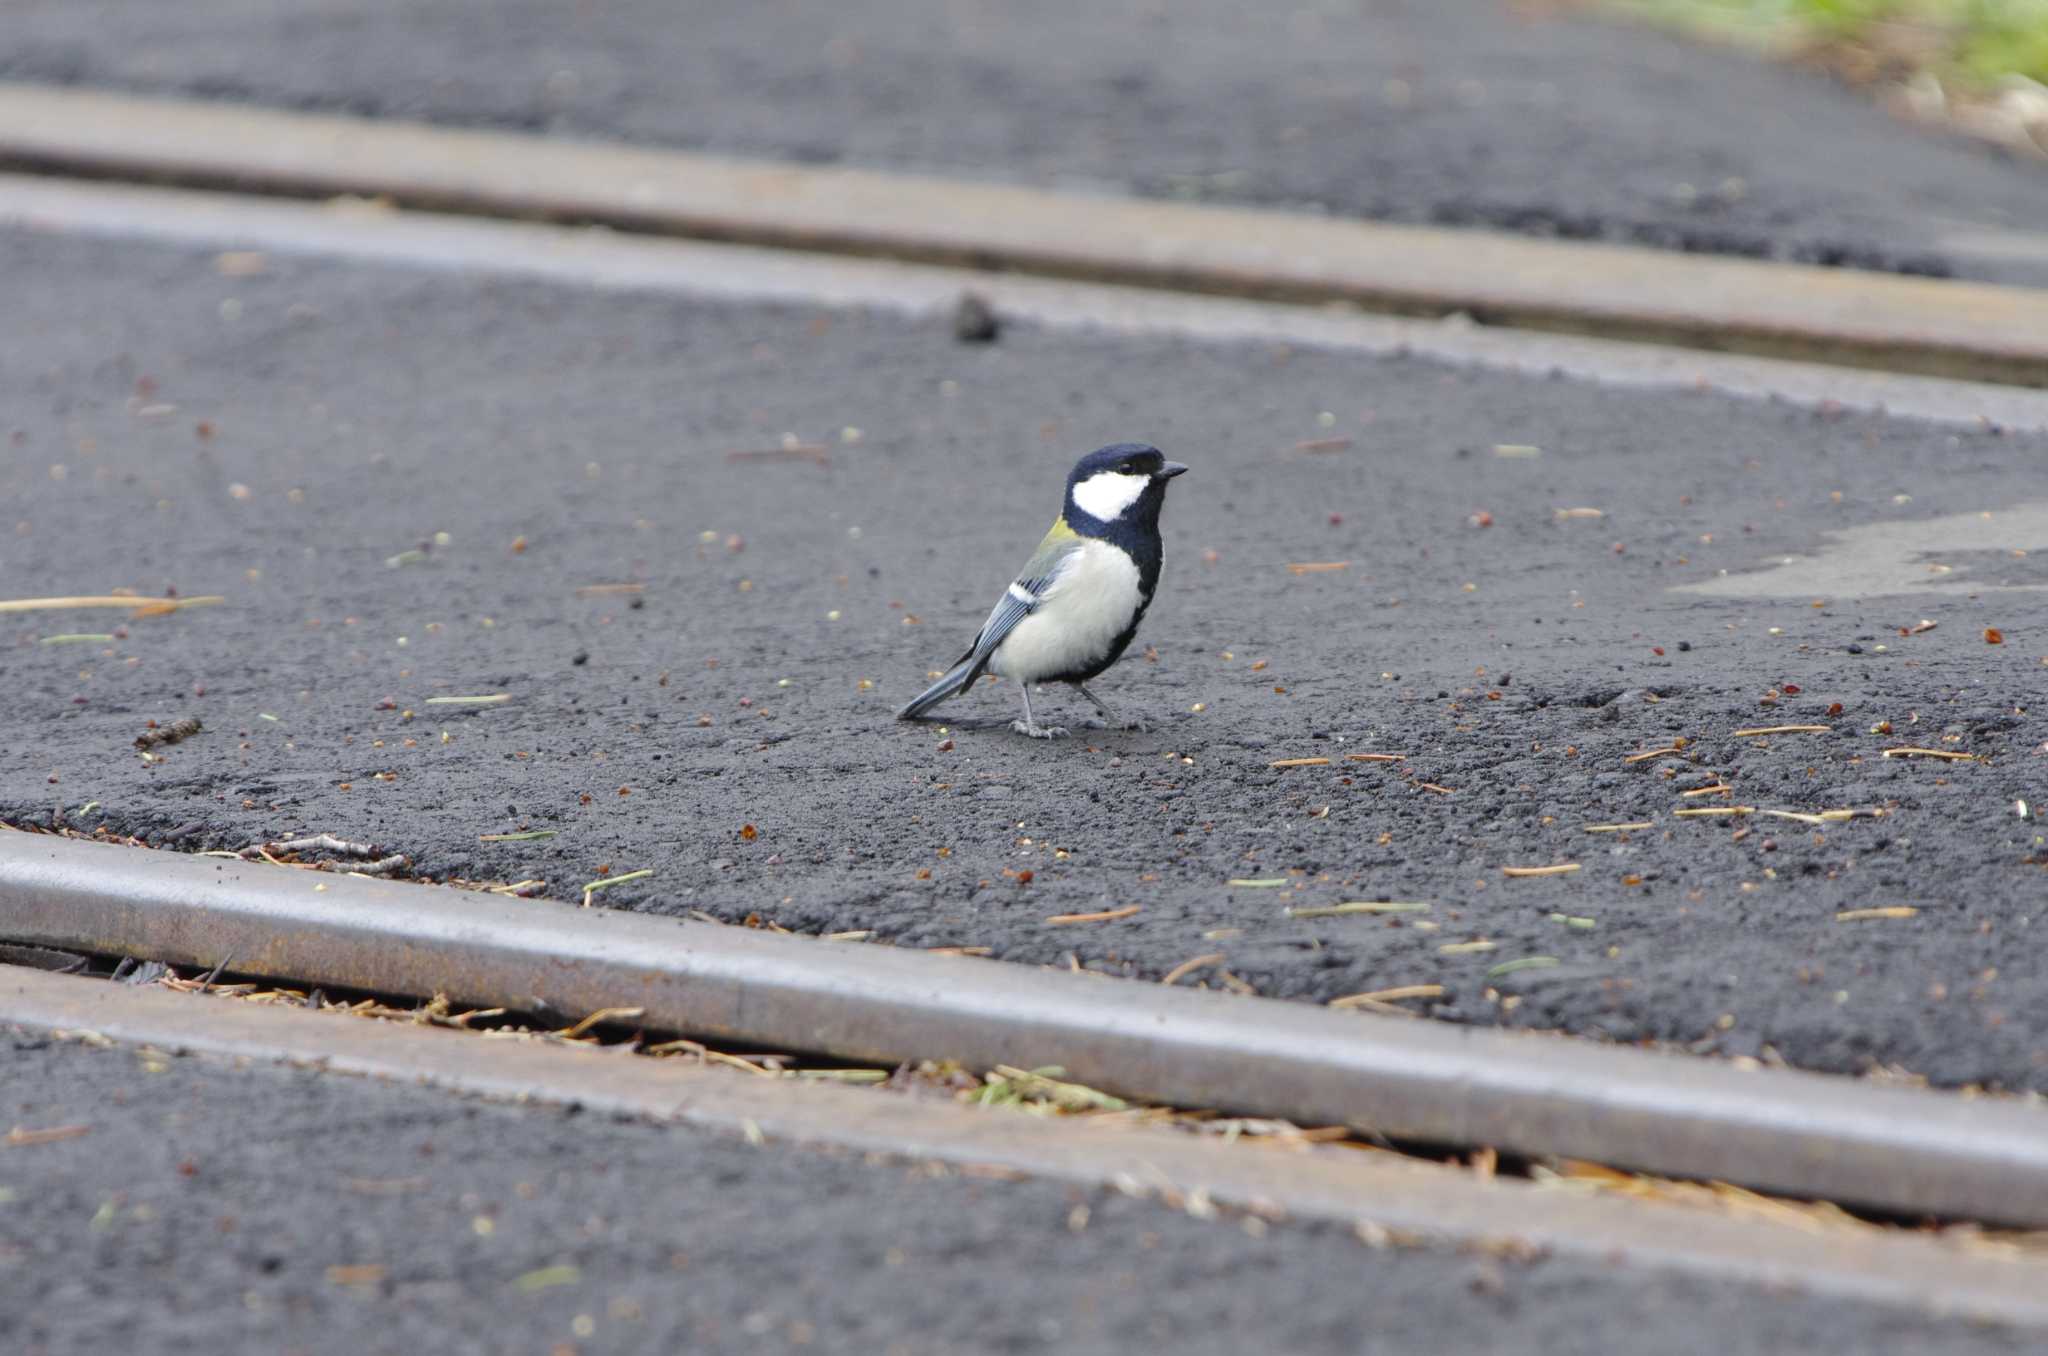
x: 373, y: 1218
x: 1458, y: 112
x: 298, y: 438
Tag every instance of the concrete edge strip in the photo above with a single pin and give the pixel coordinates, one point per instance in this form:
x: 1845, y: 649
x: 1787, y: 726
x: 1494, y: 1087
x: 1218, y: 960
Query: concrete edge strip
x: 1947, y: 328
x: 1909, y: 1151
x: 1411, y: 1201
x: 590, y: 257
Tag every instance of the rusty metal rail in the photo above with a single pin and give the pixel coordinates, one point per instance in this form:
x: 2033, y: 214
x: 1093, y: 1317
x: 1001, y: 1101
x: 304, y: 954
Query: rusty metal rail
x: 1939, y: 327
x: 1901, y: 1150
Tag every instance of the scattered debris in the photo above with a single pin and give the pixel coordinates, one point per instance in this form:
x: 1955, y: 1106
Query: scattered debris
x: 241, y: 263
x: 492, y: 699
x: 382, y: 867
x: 1188, y: 967
x: 1317, y: 566
x: 360, y: 1274
x: 168, y: 734
x: 1105, y: 916
x: 607, y: 882
x: 1620, y: 828
x: 1779, y: 729
x: 20, y: 1137
x: 600, y: 1017
x: 1952, y: 757
x: 1359, y: 906
x: 1523, y: 963
x: 1562, y: 869
x: 141, y: 607
x: 1379, y: 998
x: 1888, y: 911
x: 1007, y: 1085
x: 325, y: 842
x: 541, y: 1278
x: 974, y: 320
x: 1299, y: 762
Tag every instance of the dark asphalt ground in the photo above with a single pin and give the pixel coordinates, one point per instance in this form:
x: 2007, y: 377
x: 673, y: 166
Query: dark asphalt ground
x: 370, y: 1218
x: 1460, y: 112
x: 278, y: 438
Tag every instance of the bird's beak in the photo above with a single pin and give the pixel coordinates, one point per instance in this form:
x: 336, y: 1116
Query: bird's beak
x: 1169, y: 471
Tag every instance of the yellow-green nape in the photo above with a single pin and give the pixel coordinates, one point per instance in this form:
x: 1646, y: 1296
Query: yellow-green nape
x: 1060, y: 530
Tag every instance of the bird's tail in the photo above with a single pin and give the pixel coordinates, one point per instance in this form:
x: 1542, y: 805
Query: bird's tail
x: 957, y: 677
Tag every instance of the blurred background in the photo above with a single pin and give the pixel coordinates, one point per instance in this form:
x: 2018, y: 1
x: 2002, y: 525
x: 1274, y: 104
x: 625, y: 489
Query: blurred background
x: 1872, y: 133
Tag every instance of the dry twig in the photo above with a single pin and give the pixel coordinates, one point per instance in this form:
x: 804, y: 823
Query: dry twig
x: 1188, y: 967
x: 1106, y: 916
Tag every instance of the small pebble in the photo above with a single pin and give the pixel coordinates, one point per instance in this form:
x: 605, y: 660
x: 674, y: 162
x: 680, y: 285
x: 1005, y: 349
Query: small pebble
x: 974, y: 320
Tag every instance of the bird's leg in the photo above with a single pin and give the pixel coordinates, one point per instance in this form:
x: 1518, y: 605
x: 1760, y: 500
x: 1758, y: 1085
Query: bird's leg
x: 1029, y: 726
x: 1109, y: 717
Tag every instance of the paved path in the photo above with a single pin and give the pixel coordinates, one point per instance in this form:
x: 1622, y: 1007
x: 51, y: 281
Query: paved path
x: 1463, y: 112
x: 371, y: 1218
x: 281, y: 438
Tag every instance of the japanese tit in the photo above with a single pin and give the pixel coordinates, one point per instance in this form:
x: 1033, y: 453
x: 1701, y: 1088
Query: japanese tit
x: 1073, y: 608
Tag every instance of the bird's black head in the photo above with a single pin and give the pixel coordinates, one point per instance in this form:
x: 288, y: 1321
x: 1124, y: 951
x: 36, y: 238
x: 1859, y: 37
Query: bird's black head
x: 1118, y: 487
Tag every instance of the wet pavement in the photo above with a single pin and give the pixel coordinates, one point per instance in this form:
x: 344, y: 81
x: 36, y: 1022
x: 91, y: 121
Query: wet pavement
x: 1518, y: 117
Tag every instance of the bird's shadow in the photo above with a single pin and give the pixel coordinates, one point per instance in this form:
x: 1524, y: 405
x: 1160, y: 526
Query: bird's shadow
x: 1092, y: 725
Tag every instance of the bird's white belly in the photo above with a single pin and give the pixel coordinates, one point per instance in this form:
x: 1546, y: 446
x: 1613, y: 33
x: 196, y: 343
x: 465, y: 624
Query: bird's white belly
x: 1083, y: 611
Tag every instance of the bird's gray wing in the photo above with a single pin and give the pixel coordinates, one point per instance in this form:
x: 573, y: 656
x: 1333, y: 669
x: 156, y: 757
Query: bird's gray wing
x: 1023, y: 596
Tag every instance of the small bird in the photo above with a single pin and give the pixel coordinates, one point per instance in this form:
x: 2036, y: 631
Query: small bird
x: 1078, y: 601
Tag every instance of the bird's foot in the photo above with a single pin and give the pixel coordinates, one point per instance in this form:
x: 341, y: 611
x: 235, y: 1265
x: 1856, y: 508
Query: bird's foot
x: 1036, y: 731
x: 1110, y: 720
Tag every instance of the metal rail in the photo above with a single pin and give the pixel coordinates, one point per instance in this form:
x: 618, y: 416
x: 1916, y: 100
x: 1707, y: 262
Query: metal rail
x: 1416, y: 1203
x: 1902, y: 1150
x: 1945, y: 328
x: 750, y: 273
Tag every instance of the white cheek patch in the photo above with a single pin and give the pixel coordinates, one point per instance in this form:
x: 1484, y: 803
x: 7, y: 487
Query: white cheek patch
x: 1106, y: 494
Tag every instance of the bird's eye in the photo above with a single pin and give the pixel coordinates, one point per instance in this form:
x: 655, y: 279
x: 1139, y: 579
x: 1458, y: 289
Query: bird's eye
x: 1128, y: 468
